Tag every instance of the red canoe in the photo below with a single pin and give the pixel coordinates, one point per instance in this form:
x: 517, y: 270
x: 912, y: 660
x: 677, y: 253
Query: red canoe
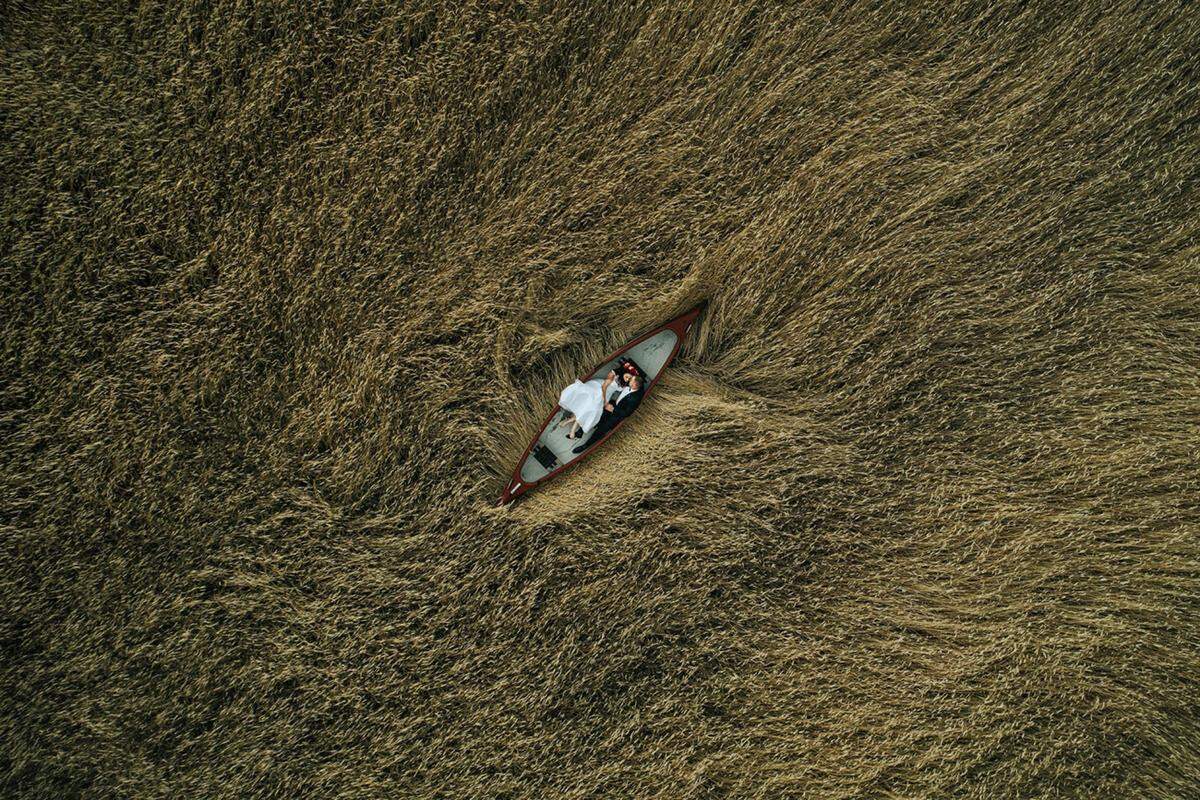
x: 549, y: 454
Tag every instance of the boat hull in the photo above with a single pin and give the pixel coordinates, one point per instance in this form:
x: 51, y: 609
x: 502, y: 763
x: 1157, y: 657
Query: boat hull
x: 549, y: 453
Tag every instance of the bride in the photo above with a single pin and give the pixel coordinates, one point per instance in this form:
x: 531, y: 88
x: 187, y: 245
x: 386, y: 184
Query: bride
x: 584, y: 403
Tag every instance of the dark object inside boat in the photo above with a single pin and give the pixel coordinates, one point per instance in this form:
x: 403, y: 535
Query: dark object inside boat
x: 545, y: 456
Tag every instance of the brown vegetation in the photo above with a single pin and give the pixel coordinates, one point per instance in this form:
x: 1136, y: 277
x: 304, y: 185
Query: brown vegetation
x: 286, y: 290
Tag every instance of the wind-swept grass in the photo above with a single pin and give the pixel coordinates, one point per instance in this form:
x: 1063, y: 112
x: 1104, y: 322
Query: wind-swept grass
x: 287, y: 287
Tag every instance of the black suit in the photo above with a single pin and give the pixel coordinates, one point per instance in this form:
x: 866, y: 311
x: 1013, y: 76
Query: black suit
x: 609, y: 419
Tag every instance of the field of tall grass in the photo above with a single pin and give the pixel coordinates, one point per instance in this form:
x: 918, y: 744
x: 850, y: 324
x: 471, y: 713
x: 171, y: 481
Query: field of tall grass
x: 288, y: 286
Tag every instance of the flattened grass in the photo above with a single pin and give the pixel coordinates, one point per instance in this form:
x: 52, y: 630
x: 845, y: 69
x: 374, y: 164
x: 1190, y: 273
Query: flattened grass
x: 286, y: 289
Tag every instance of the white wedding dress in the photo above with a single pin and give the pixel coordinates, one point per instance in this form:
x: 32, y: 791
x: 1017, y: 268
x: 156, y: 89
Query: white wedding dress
x: 585, y: 401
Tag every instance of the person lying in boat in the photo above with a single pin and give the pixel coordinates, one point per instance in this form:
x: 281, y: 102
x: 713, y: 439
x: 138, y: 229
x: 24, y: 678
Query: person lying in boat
x: 596, y: 406
x: 624, y: 403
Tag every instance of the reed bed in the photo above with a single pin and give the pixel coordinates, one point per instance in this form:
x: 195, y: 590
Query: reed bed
x: 287, y: 287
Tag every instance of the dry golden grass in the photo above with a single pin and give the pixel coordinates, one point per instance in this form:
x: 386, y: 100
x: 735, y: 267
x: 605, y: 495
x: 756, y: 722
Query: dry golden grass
x: 285, y: 290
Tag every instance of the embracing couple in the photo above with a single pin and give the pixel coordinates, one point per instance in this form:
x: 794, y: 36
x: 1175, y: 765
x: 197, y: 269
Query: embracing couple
x: 597, y: 406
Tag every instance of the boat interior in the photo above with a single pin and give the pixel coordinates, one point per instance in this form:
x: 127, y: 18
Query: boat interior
x: 553, y: 448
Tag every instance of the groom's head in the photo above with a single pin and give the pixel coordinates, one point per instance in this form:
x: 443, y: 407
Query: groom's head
x: 635, y: 383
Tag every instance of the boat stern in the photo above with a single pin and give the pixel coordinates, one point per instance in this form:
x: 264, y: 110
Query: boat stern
x: 511, y: 492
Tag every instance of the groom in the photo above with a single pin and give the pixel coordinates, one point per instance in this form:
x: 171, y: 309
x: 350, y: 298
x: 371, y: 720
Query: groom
x: 615, y: 412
